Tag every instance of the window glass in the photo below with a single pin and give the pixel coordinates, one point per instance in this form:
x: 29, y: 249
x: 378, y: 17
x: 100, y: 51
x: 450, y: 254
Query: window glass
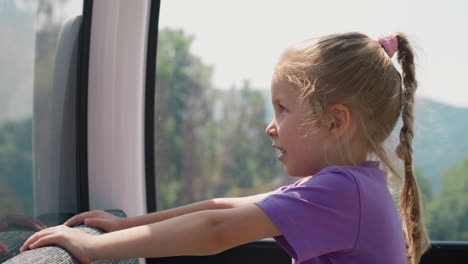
x: 36, y: 135
x: 210, y: 142
x: 214, y: 65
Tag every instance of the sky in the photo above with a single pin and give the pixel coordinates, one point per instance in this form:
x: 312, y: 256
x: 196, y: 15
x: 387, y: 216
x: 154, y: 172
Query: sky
x: 243, y: 39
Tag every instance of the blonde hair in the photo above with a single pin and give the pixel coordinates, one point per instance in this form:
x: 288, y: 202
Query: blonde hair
x: 354, y: 70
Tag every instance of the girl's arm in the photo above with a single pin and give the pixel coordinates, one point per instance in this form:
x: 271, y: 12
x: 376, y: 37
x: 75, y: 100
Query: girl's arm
x: 201, y: 233
x: 214, y: 204
x: 108, y: 222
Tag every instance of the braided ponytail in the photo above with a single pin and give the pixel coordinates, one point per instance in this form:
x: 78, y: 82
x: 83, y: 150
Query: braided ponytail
x: 410, y: 202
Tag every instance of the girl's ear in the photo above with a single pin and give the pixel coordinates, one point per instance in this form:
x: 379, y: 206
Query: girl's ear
x: 340, y: 119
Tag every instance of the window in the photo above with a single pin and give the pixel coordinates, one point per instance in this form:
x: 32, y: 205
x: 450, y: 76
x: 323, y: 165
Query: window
x: 37, y: 116
x: 210, y: 138
x: 214, y: 66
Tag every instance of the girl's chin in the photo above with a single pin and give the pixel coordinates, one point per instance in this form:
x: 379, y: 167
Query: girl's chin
x: 282, y: 157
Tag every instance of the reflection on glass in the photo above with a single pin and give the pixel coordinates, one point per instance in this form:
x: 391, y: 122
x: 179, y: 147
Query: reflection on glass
x: 29, y: 200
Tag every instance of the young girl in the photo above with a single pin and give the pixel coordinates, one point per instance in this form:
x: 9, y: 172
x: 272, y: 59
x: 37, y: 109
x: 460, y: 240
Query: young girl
x: 336, y: 99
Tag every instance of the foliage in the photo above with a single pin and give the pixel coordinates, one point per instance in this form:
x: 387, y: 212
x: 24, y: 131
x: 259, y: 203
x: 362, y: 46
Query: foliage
x: 425, y: 186
x: 209, y: 142
x: 447, y: 214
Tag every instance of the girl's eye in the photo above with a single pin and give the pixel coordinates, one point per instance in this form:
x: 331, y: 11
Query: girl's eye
x: 281, y: 108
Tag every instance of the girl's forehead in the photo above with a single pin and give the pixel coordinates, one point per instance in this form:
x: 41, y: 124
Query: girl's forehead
x: 280, y: 86
x: 282, y: 90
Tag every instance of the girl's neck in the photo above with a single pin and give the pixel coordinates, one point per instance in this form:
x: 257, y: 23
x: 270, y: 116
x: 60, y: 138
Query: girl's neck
x: 353, y: 157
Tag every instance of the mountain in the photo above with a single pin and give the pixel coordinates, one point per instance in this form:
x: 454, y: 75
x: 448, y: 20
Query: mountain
x: 440, y: 139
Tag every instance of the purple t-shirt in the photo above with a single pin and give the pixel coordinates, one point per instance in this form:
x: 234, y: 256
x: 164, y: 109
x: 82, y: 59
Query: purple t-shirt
x: 340, y: 215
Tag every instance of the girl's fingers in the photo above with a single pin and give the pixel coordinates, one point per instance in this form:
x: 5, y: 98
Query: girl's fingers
x: 28, y: 242
x: 71, y: 222
x: 36, y: 236
x: 75, y: 220
x: 44, y: 241
x: 78, y: 219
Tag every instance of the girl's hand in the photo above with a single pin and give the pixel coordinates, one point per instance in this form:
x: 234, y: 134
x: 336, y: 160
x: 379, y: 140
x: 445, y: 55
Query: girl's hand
x: 74, y: 241
x: 98, y: 219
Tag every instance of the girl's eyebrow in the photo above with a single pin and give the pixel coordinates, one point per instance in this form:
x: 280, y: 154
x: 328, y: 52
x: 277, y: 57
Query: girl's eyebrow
x: 276, y: 101
x: 279, y: 98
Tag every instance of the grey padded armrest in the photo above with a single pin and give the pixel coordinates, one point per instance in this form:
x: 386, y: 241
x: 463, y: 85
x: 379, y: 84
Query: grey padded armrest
x: 58, y: 255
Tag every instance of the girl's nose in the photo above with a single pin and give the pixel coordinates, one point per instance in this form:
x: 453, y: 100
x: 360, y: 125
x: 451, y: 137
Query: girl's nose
x: 271, y: 129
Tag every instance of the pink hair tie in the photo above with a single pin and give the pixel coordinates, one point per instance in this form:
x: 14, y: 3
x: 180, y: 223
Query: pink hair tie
x: 389, y: 43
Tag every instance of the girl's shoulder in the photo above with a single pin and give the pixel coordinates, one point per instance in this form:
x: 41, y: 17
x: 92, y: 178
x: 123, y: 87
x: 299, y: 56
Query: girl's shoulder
x: 333, y: 179
x: 367, y: 169
x: 345, y: 178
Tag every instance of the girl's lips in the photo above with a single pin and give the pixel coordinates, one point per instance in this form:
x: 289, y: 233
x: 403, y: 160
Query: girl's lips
x: 279, y: 148
x: 283, y: 152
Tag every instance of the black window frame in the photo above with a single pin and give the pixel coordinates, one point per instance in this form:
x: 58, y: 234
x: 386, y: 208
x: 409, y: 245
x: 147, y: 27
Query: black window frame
x: 149, y: 115
x: 82, y: 107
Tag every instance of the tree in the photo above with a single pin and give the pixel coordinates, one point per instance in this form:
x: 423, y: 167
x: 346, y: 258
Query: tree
x: 248, y: 160
x: 448, y: 211
x: 209, y: 142
x: 182, y: 84
x: 425, y: 186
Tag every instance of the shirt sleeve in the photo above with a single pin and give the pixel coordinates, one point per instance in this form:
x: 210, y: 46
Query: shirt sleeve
x: 318, y: 216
